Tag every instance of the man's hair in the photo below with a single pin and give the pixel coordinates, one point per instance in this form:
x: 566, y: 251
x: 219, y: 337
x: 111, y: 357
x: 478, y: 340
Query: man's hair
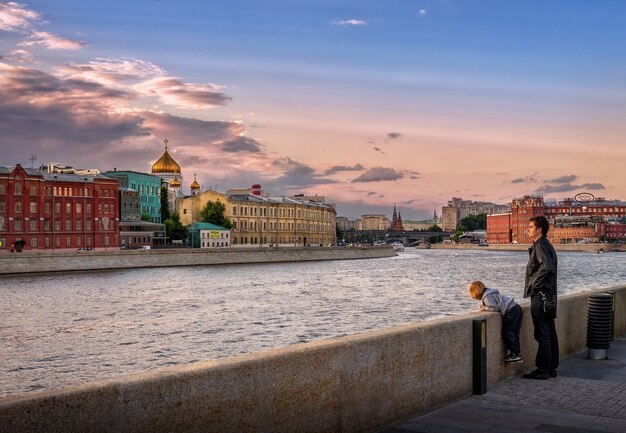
x: 476, y: 289
x: 542, y: 223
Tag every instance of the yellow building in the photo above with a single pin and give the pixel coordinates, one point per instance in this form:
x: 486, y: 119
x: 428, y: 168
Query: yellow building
x: 260, y: 220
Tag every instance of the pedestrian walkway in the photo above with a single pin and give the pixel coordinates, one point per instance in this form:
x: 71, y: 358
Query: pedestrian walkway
x: 587, y: 397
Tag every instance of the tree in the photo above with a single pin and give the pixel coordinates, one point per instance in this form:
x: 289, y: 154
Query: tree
x: 456, y: 236
x: 338, y: 233
x: 434, y: 228
x: 213, y: 212
x: 435, y: 239
x: 146, y: 217
x: 473, y: 222
x: 174, y: 228
x: 165, y: 210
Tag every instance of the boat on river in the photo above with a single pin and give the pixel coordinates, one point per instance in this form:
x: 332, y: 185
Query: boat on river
x: 397, y: 246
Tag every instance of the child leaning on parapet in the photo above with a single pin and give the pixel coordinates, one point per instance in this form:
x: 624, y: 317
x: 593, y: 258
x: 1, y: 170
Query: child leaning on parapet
x: 492, y: 300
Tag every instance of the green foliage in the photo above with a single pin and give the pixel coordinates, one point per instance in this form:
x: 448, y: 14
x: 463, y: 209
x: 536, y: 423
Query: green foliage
x: 473, y: 222
x: 213, y: 212
x: 174, y: 228
x: 165, y: 211
x: 146, y: 217
x: 435, y: 239
x: 434, y: 228
x: 456, y: 236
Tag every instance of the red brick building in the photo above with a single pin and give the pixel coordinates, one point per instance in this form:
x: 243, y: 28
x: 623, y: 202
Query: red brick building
x: 499, y: 228
x: 570, y: 220
x: 47, y: 211
x: 522, y: 210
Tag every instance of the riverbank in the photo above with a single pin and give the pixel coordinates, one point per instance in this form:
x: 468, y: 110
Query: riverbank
x: 589, y: 248
x: 35, y: 262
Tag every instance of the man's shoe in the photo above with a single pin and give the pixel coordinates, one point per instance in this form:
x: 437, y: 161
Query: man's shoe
x: 536, y: 374
x: 512, y: 358
x: 552, y: 373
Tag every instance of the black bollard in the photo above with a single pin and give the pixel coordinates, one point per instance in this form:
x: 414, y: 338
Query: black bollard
x: 599, y: 324
x: 479, y: 355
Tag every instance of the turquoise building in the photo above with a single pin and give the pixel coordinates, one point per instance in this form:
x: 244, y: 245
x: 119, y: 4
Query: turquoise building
x: 147, y: 185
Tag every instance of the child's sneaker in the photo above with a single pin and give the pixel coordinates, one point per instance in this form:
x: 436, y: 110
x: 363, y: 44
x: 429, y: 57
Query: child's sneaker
x: 512, y: 358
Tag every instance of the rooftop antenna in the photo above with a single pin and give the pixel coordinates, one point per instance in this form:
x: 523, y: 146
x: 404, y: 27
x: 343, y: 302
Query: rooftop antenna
x: 32, y: 158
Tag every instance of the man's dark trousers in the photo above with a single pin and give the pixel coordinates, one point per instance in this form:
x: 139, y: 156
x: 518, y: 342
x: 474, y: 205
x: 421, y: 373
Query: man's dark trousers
x: 545, y: 333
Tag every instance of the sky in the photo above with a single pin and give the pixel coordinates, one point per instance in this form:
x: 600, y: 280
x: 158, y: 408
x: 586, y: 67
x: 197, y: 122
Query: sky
x: 368, y: 103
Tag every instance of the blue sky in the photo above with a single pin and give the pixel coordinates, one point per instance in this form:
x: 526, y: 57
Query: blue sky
x: 369, y: 103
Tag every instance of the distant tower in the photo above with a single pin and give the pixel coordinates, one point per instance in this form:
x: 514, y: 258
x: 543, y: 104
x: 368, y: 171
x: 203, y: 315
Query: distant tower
x: 396, y: 221
x: 195, y: 186
x: 435, y: 215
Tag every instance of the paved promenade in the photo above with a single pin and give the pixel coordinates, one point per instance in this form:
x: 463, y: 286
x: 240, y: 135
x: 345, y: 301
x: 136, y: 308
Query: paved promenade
x: 587, y: 397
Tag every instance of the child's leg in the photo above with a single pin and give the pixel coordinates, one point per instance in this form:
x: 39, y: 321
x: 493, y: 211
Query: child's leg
x: 511, y: 325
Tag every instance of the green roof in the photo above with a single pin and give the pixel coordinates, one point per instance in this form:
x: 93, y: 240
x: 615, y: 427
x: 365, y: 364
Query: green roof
x: 206, y: 226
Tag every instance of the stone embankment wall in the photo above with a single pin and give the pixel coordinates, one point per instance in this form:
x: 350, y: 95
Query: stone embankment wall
x: 28, y: 262
x: 359, y: 383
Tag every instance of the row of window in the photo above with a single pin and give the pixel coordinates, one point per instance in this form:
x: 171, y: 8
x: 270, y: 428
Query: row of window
x: 253, y: 226
x: 214, y: 244
x: 279, y: 212
x: 18, y: 189
x: 253, y: 240
x: 33, y: 225
x: 18, y: 207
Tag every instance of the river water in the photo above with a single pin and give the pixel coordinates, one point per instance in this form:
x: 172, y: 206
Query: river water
x: 59, y: 330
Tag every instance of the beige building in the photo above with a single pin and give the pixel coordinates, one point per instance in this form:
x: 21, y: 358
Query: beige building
x: 260, y: 220
x: 372, y: 222
x: 457, y: 209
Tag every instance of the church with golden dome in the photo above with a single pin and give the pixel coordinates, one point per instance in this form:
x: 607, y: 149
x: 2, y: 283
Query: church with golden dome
x: 169, y: 171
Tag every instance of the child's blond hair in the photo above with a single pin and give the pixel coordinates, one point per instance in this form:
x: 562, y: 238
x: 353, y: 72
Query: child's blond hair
x: 476, y: 289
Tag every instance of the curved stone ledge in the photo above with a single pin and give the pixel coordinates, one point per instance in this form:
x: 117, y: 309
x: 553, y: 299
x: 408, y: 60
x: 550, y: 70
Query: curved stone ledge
x: 359, y: 383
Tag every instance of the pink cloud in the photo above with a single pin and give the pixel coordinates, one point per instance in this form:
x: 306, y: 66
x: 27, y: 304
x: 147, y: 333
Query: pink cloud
x: 52, y: 42
x: 14, y: 17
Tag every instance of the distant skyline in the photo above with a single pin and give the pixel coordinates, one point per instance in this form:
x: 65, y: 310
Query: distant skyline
x: 368, y: 103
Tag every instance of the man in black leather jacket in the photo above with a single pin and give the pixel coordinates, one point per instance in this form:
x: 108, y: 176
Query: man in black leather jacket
x: 541, y: 281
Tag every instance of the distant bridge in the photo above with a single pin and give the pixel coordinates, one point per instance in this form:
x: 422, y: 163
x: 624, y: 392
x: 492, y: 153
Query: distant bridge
x: 407, y: 238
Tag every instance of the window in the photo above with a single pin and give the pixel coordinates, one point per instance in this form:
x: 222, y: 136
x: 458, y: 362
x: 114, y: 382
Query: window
x: 57, y: 242
x: 3, y: 188
x: 79, y: 207
x: 79, y: 224
x: 33, y: 190
x: 57, y: 207
x: 68, y: 241
x: 18, y: 188
x: 68, y: 225
x: 47, y: 242
x: 46, y: 207
x: 33, y: 225
x: 234, y: 210
x: 88, y: 208
x: 57, y: 225
x: 17, y: 207
x: 46, y: 225
x: 68, y: 207
x: 78, y: 241
x: 33, y: 242
x: 17, y: 224
x: 88, y: 224
x: 33, y: 207
x: 3, y: 206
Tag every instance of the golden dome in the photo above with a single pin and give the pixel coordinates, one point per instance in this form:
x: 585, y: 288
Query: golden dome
x: 195, y: 184
x: 175, y: 183
x: 166, y: 164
